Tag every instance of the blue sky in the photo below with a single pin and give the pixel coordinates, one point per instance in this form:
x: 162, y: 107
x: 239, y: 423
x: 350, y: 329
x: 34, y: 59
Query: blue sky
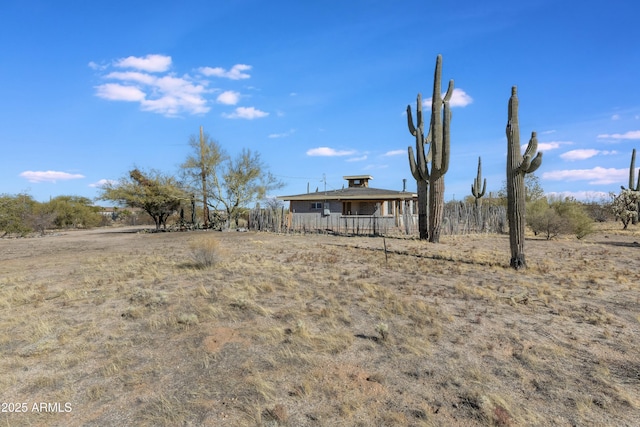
x: 90, y: 89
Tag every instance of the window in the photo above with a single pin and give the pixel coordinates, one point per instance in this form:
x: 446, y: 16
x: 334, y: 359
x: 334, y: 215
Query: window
x: 390, y: 204
x: 356, y: 182
x: 316, y: 205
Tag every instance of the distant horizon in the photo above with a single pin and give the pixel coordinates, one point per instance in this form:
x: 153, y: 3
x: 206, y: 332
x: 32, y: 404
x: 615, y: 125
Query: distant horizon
x: 320, y: 90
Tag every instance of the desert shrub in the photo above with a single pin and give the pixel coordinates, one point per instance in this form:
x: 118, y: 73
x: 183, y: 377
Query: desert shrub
x: 15, y: 212
x: 551, y: 217
x: 580, y: 222
x: 547, y: 222
x: 205, y: 252
x: 599, y: 211
x: 72, y: 212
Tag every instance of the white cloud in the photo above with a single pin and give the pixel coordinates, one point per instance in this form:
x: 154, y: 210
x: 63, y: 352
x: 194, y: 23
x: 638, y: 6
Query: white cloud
x: 548, y: 146
x: 168, y: 95
x: 174, y: 95
x: 49, y: 176
x: 133, y: 76
x: 395, y: 153
x: 579, y: 154
x: 248, y: 113
x: 581, y: 195
x: 584, y: 154
x: 459, y: 98
x: 149, y: 83
x: 118, y: 92
x: 357, y: 159
x: 329, y: 152
x: 96, y: 66
x: 228, y: 97
x: 235, y: 73
x: 282, y: 135
x: 150, y: 63
x: 102, y: 183
x: 597, y: 175
x: 632, y: 134
x: 615, y: 117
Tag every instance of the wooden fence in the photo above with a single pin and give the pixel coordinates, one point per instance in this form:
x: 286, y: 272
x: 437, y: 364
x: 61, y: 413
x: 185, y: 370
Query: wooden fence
x: 458, y: 218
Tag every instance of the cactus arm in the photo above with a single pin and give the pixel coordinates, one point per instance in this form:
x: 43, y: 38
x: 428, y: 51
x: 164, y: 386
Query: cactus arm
x: 449, y: 94
x: 446, y: 137
x: 419, y: 119
x: 413, y: 166
x: 535, y: 164
x: 429, y: 155
x: 412, y: 128
x: 532, y: 146
x: 419, y: 165
x: 446, y: 133
x: 527, y: 159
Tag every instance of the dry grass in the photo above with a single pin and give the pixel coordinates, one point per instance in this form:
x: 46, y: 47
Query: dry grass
x: 130, y: 329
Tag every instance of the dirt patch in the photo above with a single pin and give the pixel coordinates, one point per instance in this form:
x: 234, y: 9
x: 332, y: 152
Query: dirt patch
x: 219, y: 338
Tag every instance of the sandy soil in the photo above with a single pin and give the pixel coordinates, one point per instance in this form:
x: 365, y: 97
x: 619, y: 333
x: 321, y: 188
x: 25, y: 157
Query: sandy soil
x: 121, y: 327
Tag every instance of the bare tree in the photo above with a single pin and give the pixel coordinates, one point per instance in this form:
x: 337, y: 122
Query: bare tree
x: 201, y: 166
x: 244, y: 179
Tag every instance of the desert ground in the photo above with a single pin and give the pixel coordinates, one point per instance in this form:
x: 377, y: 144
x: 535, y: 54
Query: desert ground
x: 114, y: 326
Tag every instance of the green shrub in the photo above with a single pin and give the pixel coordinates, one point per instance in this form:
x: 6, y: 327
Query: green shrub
x: 554, y: 216
x: 72, y: 212
x: 15, y: 213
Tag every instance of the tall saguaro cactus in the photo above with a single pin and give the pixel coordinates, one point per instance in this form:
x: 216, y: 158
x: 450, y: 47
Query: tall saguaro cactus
x: 517, y: 166
x: 632, y: 173
x: 438, y: 155
x: 419, y: 166
x: 440, y: 150
x: 478, y: 189
x: 634, y: 186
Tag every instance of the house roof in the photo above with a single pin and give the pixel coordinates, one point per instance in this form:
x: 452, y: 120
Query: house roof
x: 353, y: 193
x: 348, y: 177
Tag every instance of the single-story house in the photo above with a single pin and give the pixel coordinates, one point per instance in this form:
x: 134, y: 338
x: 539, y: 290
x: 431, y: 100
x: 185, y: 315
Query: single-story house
x: 352, y: 206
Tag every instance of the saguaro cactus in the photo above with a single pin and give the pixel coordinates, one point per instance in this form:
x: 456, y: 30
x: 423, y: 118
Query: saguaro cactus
x: 632, y: 173
x: 517, y: 166
x: 477, y: 189
x: 440, y: 148
x: 438, y: 154
x: 419, y: 166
